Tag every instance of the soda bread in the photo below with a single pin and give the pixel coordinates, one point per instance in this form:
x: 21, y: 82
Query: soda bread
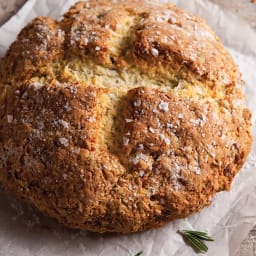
x: 120, y: 117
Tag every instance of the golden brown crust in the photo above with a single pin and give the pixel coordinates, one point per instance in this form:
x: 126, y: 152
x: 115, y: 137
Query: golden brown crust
x: 36, y: 49
x: 120, y: 117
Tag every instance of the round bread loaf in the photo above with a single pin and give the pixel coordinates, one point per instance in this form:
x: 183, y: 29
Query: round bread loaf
x: 121, y: 117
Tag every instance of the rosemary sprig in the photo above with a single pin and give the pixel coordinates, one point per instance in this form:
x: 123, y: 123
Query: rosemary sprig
x: 195, y: 239
x: 139, y: 253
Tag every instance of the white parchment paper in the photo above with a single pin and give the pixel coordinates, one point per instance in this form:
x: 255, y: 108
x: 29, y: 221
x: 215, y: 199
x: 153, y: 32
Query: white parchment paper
x: 25, y: 232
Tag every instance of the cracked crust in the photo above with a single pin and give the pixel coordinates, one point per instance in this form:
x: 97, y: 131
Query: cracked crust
x: 121, y: 117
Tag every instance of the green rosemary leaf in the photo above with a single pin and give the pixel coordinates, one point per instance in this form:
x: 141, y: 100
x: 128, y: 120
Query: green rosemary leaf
x: 195, y: 239
x: 195, y: 232
x: 201, y: 235
x: 139, y: 253
x: 197, y: 244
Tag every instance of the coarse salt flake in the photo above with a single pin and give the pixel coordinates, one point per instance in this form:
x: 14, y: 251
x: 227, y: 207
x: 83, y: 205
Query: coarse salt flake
x: 91, y: 119
x: 37, y: 85
x: 64, y: 142
x: 126, y: 141
x: 194, y: 121
x: 40, y: 125
x: 167, y: 141
x: 137, y: 103
x: 152, y: 130
x: 73, y: 89
x: 197, y: 171
x: 161, y: 136
x: 64, y: 123
x: 163, y: 106
x: 154, y: 52
x: 180, y: 116
x: 141, y: 147
x: 140, y: 156
x: 141, y: 173
x: 9, y: 118
x: 75, y: 150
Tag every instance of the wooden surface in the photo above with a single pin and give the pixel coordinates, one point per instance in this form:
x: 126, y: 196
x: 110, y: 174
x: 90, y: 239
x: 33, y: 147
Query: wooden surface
x: 243, y: 8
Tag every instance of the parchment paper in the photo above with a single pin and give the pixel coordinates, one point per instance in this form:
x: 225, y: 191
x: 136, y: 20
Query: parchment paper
x: 25, y: 232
